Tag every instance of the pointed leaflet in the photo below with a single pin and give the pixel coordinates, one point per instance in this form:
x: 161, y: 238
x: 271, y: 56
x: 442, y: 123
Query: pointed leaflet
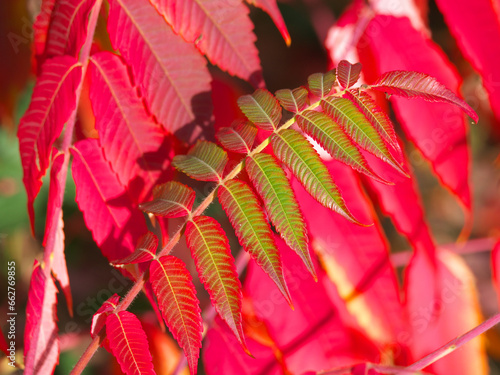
x: 377, y: 117
x: 437, y: 129
x: 41, y: 342
x: 171, y: 199
x: 41, y: 27
x: 221, y: 30
x: 347, y: 73
x: 292, y: 100
x: 52, y: 102
x: 419, y: 85
x: 144, y: 251
x: 298, y: 154
x: 68, y: 28
x: 176, y: 297
x: 273, y: 186
x: 361, y: 131
x: 171, y: 74
x: 475, y: 40
x: 262, y: 108
x: 239, y: 137
x: 132, y: 143
x: 129, y: 343
x: 321, y: 84
x: 211, y: 253
x: 58, y: 264
x: 204, y: 162
x: 271, y: 8
x: 332, y: 138
x: 99, y: 318
x: 252, y: 229
x: 115, y: 223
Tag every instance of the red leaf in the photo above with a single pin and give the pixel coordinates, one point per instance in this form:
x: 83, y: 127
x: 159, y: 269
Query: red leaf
x: 170, y: 72
x: 41, y: 342
x: 437, y: 129
x: 474, y: 35
x: 41, y: 27
x: 271, y: 8
x: 144, y: 251
x: 170, y: 200
x: 4, y: 347
x: 176, y: 296
x: 347, y: 73
x: 221, y: 30
x: 68, y: 28
x: 495, y: 263
x: 58, y: 264
x: 115, y: 223
x: 52, y: 102
x: 134, y: 145
x: 211, y: 253
x: 129, y: 343
x: 99, y: 318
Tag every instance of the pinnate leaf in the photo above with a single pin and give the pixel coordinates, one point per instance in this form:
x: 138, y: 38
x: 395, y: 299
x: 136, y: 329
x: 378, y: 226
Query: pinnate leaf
x: 52, y: 102
x: 171, y: 199
x: 221, y: 30
x: 176, y: 295
x: 321, y: 84
x: 293, y: 149
x: 253, y: 231
x: 41, y: 341
x: 129, y: 343
x: 347, y: 73
x: 273, y: 186
x: 170, y: 72
x: 271, y: 8
x: 377, y: 117
x: 144, y: 251
x: 419, y: 85
x: 262, y: 108
x: 131, y: 141
x: 239, y: 137
x: 211, y: 253
x: 344, y: 112
x: 332, y: 138
x: 293, y: 100
x: 68, y: 28
x: 205, y: 162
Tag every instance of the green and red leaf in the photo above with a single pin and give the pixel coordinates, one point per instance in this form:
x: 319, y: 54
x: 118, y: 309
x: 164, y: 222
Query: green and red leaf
x: 129, y: 343
x: 321, y: 84
x: 347, y: 73
x: 211, y: 253
x: 273, y: 186
x: 205, y: 162
x: 171, y: 199
x: 239, y: 137
x: 176, y: 295
x: 144, y: 251
x: 293, y: 100
x: 261, y: 108
x: 253, y: 231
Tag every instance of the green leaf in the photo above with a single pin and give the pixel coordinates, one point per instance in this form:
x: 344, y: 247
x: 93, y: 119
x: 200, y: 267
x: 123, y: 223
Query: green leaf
x: 171, y: 199
x: 205, y: 162
x: 321, y: 84
x: 293, y: 149
x: 293, y: 100
x: 239, y: 137
x: 348, y: 74
x: 344, y: 112
x: 332, y: 138
x: 252, y: 229
x: 282, y: 207
x: 419, y: 85
x: 211, y: 253
x: 376, y: 116
x: 262, y: 109
x: 176, y: 295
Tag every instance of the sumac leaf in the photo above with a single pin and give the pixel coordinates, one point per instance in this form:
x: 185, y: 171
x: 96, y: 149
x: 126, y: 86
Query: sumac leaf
x: 273, y: 186
x: 239, y: 137
x: 262, y: 108
x: 252, y: 229
x: 321, y: 84
x: 211, y: 253
x: 271, y: 8
x: 205, y: 162
x: 347, y: 73
x: 144, y: 251
x: 174, y: 290
x: 171, y: 199
x: 293, y: 149
x: 129, y: 343
x: 99, y: 318
x: 293, y: 100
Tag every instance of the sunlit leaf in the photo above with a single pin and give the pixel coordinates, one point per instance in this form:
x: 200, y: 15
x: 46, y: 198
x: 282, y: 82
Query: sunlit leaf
x: 293, y: 100
x: 144, y: 251
x: 262, y: 108
x: 205, y: 162
x: 321, y: 84
x: 171, y: 199
x: 239, y: 137
x: 347, y: 73
x: 271, y: 8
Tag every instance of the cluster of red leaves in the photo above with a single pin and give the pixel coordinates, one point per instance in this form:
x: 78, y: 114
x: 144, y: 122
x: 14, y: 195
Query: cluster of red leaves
x: 155, y: 95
